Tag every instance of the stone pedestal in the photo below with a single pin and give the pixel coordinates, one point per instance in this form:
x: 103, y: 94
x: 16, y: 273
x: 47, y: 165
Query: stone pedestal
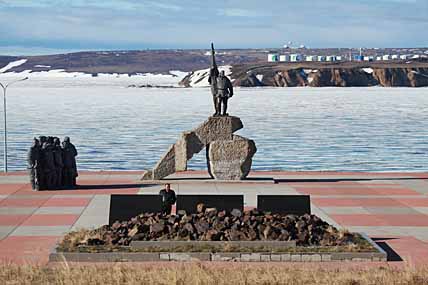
x: 230, y: 159
x: 217, y: 131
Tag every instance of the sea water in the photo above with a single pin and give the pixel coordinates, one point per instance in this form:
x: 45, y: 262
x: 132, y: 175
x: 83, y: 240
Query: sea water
x: 119, y: 128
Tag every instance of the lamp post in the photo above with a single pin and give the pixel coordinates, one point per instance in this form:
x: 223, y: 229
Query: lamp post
x: 4, y: 87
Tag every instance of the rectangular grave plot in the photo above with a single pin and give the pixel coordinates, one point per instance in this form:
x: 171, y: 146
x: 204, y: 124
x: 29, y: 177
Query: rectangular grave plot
x: 284, y: 204
x: 125, y: 207
x: 221, y: 202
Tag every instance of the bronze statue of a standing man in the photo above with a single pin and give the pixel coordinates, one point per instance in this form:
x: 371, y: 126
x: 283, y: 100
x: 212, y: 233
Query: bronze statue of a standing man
x: 224, y: 92
x: 221, y: 87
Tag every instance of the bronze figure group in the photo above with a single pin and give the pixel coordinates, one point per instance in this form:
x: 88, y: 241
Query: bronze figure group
x: 52, y: 164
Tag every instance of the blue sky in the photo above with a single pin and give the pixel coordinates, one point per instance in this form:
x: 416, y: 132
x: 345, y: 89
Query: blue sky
x: 47, y: 26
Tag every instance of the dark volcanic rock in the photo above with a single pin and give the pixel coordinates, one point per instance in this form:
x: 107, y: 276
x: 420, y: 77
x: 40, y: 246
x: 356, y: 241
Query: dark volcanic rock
x: 211, y: 225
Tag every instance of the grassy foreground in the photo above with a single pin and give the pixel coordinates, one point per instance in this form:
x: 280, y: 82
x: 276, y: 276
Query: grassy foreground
x: 206, y: 274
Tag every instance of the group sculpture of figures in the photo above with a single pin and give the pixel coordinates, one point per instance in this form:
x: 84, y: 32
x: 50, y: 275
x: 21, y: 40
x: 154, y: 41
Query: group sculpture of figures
x: 52, y: 164
x: 221, y: 87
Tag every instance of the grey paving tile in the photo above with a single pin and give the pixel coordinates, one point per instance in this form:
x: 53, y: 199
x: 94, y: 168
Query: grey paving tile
x: 14, y: 179
x: 59, y: 210
x: 369, y: 196
x: 30, y: 197
x: 423, y: 210
x: 417, y: 232
x: 91, y: 222
x: 324, y: 216
x: 419, y: 186
x: 95, y: 214
x: 391, y: 210
x: 344, y: 210
x: 17, y: 210
x: 74, y: 196
x: 5, y: 231
x: 40, y: 231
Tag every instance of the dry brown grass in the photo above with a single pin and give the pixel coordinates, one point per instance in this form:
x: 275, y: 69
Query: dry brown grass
x: 206, y: 274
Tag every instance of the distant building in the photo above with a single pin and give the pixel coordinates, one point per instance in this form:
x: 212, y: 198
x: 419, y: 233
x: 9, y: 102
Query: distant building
x: 339, y: 58
x: 395, y: 56
x: 272, y: 57
x: 311, y: 58
x: 416, y: 56
x: 368, y: 58
x: 404, y: 56
x: 378, y: 58
x: 296, y: 57
x: 386, y: 57
x: 321, y: 58
x: 284, y: 57
x: 330, y: 58
x: 358, y: 57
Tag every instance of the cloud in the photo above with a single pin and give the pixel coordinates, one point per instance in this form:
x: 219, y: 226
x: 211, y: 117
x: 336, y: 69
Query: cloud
x: 236, y: 12
x: 130, y: 24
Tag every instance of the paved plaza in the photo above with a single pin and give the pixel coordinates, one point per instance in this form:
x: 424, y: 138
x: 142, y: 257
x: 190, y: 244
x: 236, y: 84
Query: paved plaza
x: 392, y: 208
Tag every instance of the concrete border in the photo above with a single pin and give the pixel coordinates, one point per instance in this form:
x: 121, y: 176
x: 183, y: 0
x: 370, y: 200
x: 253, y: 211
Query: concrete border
x: 378, y: 255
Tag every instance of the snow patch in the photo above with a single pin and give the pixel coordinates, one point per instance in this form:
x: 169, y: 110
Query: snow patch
x: 309, y: 71
x: 61, y: 78
x: 13, y: 64
x: 199, y: 78
x: 368, y: 70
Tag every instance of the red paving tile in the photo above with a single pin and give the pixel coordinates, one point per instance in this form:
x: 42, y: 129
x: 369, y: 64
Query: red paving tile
x: 414, y: 202
x: 411, y: 220
x: 7, y: 189
x: 12, y: 220
x: 50, y: 220
x: 27, y: 250
x: 10, y: 202
x: 67, y: 202
x: 360, y: 202
x: 356, y: 191
x: 410, y: 249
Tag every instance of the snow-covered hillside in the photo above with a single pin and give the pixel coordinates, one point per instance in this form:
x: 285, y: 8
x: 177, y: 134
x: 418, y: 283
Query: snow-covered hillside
x: 61, y: 78
x: 199, y: 78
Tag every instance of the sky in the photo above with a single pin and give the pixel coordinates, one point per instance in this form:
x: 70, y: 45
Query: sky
x: 51, y: 26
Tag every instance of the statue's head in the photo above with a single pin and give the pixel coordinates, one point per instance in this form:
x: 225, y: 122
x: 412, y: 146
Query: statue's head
x: 42, y: 139
x: 35, y: 142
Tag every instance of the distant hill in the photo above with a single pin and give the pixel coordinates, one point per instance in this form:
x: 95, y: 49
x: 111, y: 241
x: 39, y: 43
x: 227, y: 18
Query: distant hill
x: 132, y: 62
x: 163, y: 61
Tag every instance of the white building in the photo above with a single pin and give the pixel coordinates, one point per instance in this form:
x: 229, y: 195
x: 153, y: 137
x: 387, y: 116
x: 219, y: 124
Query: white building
x: 330, y: 58
x: 284, y: 57
x: 339, y: 58
x: 416, y: 56
x: 386, y: 57
x: 311, y: 58
x: 378, y: 58
x: 321, y: 58
x: 296, y: 57
x: 395, y: 56
x: 272, y: 57
x: 404, y: 56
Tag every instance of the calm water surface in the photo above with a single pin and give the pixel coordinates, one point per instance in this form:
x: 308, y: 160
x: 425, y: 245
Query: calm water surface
x: 349, y: 129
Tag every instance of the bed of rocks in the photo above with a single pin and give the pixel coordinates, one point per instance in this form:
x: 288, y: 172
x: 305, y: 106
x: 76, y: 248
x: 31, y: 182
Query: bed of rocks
x: 212, y: 225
